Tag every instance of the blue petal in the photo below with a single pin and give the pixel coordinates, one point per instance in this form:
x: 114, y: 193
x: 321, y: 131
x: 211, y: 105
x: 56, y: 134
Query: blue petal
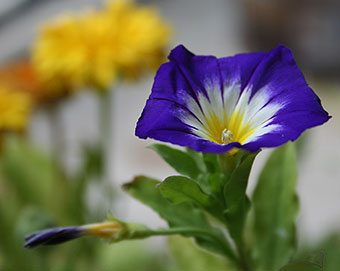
x: 53, y: 236
x: 300, y: 109
x: 239, y: 68
x: 273, y: 76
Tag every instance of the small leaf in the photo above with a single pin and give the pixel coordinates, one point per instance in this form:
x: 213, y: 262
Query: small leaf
x: 181, y: 161
x: 275, y: 209
x: 180, y: 189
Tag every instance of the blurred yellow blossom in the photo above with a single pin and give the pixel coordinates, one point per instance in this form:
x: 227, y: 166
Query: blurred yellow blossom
x: 15, y: 108
x: 97, y: 47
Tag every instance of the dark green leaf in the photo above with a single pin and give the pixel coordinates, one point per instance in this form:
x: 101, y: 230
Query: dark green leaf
x: 275, y: 208
x: 181, y: 161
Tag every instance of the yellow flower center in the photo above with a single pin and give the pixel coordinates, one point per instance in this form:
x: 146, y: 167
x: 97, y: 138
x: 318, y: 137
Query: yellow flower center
x: 226, y: 130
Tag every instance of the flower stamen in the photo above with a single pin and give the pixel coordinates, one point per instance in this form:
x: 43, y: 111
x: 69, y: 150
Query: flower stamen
x: 227, y: 136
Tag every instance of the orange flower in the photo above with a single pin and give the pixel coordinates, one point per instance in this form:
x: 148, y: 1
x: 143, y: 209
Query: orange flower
x: 21, y: 76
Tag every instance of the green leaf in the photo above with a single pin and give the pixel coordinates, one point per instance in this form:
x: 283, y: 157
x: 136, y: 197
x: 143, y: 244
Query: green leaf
x: 330, y: 247
x: 236, y: 200
x: 198, y: 157
x: 275, y: 209
x: 313, y: 262
x: 211, y: 162
x: 180, y: 215
x: 181, y: 161
x: 180, y: 189
x: 316, y: 258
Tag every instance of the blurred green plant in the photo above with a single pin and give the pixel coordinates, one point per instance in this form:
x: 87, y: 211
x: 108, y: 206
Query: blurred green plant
x: 35, y: 194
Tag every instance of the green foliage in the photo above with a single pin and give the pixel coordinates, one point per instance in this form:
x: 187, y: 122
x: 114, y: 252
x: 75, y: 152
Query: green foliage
x: 236, y: 200
x: 313, y: 262
x: 329, y: 248
x: 36, y: 194
x: 181, y: 161
x: 275, y: 209
x: 183, y: 215
x: 32, y: 173
x: 180, y: 189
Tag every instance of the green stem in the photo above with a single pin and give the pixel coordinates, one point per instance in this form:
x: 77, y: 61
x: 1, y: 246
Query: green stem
x: 227, y: 163
x: 236, y: 169
x: 56, y: 134
x: 244, y: 261
x: 106, y: 138
x: 195, y: 232
x: 105, y: 127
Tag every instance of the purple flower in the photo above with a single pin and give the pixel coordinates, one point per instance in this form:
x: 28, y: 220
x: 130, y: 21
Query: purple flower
x: 247, y: 101
x: 55, y: 236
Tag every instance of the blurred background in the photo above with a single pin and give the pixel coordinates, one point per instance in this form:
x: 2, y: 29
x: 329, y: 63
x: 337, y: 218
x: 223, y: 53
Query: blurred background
x: 216, y: 27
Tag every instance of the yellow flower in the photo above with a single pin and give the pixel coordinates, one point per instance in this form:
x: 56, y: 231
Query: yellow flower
x: 15, y: 108
x: 140, y: 37
x: 98, y: 46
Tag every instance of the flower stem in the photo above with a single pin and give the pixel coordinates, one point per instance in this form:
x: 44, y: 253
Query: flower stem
x: 106, y: 139
x: 56, y: 134
x: 243, y: 258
